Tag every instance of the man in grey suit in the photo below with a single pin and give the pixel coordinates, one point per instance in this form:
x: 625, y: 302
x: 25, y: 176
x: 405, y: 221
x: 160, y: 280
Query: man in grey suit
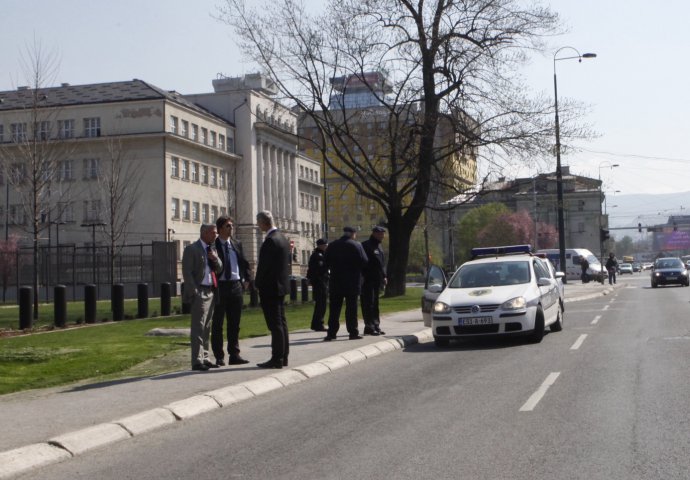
x: 200, y: 270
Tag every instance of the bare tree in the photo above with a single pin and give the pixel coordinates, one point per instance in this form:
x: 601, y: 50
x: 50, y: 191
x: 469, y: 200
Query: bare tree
x: 32, y: 158
x: 119, y: 180
x: 8, y: 262
x: 446, y: 83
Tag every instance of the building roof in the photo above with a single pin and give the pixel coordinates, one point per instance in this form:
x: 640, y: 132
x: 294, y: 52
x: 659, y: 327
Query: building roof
x: 111, y: 92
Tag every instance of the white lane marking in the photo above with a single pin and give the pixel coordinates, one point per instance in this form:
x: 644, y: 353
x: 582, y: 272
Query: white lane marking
x: 606, y: 307
x: 596, y: 320
x: 541, y: 391
x: 579, y: 341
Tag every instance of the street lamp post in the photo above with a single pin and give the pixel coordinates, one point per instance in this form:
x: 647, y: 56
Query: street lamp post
x: 93, y: 244
x: 559, y: 172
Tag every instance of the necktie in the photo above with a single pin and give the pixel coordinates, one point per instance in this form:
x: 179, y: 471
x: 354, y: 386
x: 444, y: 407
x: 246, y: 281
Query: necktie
x: 213, y: 273
x: 228, y: 266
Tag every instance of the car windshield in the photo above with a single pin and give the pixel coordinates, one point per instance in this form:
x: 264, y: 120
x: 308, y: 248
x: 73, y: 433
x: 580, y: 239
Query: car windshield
x: 669, y: 263
x: 473, y: 275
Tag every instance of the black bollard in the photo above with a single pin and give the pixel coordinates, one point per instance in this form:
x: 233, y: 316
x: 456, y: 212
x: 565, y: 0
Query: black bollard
x: 305, y: 290
x: 165, y: 299
x: 253, y: 296
x: 117, y: 301
x: 293, y: 290
x: 26, y: 307
x: 186, y: 307
x: 90, y: 303
x: 142, y: 300
x: 60, y: 305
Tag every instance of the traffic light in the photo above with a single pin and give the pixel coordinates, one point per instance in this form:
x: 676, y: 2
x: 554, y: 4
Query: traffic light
x: 639, y: 227
x: 604, y: 234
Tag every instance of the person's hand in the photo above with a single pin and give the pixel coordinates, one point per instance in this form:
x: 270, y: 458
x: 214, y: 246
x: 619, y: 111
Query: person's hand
x: 213, y: 255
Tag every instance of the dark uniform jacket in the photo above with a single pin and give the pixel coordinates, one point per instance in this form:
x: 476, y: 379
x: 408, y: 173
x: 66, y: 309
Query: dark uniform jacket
x: 375, y: 269
x: 345, y: 258
x: 317, y: 271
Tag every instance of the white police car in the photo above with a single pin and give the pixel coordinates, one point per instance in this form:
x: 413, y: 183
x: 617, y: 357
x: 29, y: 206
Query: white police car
x: 501, y: 291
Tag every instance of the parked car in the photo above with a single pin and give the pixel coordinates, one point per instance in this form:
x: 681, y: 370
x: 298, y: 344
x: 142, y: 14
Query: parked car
x: 501, y: 291
x: 669, y: 270
x: 636, y: 267
x: 625, y: 268
x: 647, y: 266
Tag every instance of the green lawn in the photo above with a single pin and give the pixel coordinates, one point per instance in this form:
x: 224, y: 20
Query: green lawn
x: 112, y: 350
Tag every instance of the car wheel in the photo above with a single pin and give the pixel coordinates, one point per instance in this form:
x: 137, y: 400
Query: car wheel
x: 441, y: 342
x: 654, y: 285
x: 557, y: 326
x: 538, y: 332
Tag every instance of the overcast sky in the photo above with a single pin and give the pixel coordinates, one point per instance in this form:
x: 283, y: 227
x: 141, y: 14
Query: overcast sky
x: 637, y: 86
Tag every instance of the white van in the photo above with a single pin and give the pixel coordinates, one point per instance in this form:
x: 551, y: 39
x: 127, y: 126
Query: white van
x: 573, y: 270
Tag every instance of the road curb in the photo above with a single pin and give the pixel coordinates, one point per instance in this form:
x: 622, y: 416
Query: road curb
x: 20, y: 460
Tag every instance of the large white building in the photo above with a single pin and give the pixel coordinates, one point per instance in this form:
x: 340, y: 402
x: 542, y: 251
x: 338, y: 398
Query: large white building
x: 232, y: 151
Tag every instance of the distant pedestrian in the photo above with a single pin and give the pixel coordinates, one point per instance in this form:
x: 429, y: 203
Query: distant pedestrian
x: 273, y: 282
x: 200, y: 269
x: 317, y: 274
x: 374, y: 279
x: 612, y: 267
x: 584, y: 264
x: 230, y: 296
x: 345, y: 259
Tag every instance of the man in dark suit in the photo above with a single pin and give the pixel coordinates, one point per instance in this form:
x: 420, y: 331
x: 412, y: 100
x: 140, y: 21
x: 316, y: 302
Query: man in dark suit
x: 200, y: 270
x: 374, y: 278
x: 317, y: 274
x: 345, y: 259
x: 231, y: 286
x: 273, y: 282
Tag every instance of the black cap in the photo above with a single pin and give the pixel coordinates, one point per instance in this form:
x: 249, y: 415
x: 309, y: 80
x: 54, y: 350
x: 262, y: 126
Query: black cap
x: 349, y: 230
x: 378, y: 229
x: 321, y: 241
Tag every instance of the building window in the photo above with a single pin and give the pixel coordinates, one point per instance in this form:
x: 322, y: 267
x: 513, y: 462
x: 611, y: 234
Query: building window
x: 231, y: 144
x: 185, y: 170
x: 91, y: 168
x: 175, y: 167
x: 17, y: 215
x: 204, y: 175
x: 185, y: 210
x: 44, y: 130
x: 66, y: 128
x: 223, y: 211
x: 65, y: 171
x: 195, y: 172
x: 195, y: 132
x: 92, y: 127
x: 204, y: 213
x: 65, y: 212
x: 92, y: 210
x: 184, y: 128
x: 195, y: 211
x: 213, y: 179
x: 214, y: 213
x: 213, y: 139
x: 175, y: 208
x: 221, y: 141
x: 18, y: 132
x: 17, y: 173
x: 173, y: 124
x: 204, y: 136
x: 221, y: 179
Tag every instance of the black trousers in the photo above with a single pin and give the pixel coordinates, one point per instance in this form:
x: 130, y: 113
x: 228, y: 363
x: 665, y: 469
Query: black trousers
x: 320, y: 292
x: 370, y: 305
x: 336, y: 304
x: 228, y: 305
x: 274, y: 314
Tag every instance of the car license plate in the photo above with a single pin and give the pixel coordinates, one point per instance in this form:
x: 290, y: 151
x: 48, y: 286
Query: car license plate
x: 476, y: 321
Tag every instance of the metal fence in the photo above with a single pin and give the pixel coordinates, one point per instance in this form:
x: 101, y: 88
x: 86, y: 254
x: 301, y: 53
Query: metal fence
x: 75, y: 266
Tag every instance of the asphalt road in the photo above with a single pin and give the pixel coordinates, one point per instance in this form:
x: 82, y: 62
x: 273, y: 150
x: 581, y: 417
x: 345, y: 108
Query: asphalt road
x: 606, y: 398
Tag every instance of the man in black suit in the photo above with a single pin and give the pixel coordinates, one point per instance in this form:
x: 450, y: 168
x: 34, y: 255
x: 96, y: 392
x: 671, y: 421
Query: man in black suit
x: 229, y: 299
x: 345, y: 259
x: 374, y: 279
x: 317, y: 273
x: 273, y: 282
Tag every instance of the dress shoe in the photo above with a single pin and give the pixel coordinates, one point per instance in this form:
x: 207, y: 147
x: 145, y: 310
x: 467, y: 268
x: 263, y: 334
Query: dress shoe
x: 200, y: 367
x: 271, y: 364
x: 220, y: 363
x: 355, y: 337
x: 380, y: 332
x: 319, y: 329
x: 373, y: 333
x: 329, y: 338
x: 210, y: 364
x: 238, y: 361
x: 285, y: 362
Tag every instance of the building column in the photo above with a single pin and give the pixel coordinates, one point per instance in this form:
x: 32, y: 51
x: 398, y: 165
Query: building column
x: 260, y: 176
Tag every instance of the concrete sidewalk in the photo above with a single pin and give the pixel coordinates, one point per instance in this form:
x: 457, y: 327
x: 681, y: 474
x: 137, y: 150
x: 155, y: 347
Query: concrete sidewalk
x: 44, y: 426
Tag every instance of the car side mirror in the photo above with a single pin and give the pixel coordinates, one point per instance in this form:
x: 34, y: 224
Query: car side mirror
x: 544, y: 282
x: 559, y: 275
x: 435, y: 288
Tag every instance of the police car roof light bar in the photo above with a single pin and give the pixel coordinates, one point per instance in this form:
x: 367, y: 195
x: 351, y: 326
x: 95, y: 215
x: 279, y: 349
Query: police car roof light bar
x: 504, y: 250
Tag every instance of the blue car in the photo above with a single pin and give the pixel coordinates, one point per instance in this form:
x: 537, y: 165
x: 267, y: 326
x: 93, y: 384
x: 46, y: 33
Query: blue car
x: 669, y: 271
